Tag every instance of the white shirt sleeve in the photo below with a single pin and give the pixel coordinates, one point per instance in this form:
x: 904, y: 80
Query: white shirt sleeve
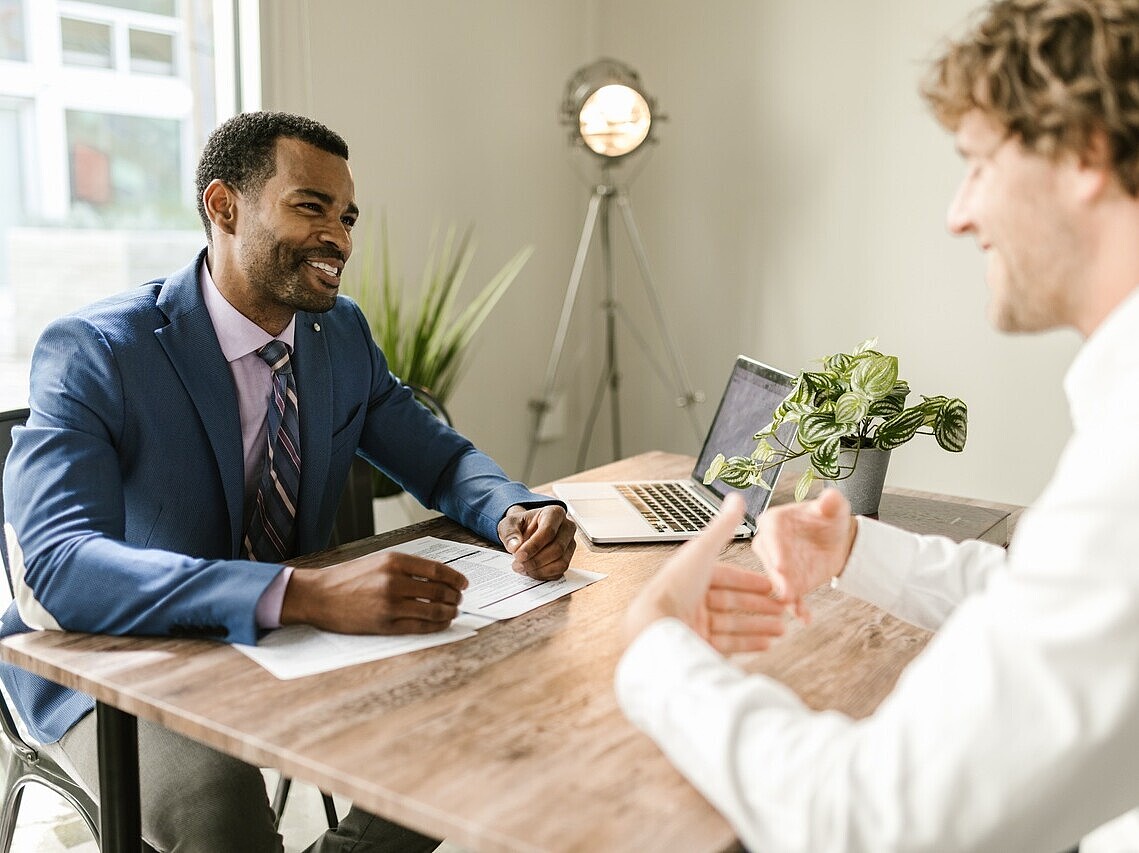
x: 1016, y: 729
x: 919, y: 579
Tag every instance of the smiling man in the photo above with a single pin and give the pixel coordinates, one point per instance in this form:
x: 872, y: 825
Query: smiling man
x: 1017, y: 728
x: 189, y: 438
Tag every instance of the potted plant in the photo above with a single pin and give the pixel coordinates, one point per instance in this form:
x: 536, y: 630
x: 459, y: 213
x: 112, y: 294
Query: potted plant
x: 845, y: 419
x: 423, y: 340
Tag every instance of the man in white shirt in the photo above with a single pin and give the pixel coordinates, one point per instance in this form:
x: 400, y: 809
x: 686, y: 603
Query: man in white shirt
x: 1017, y: 729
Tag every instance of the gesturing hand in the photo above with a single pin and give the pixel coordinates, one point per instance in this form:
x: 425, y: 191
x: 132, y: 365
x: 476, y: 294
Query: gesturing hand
x: 804, y: 545
x: 541, y: 540
x: 729, y: 606
x: 391, y: 594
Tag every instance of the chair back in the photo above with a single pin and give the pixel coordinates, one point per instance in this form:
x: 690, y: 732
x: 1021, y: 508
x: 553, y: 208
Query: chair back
x: 8, y: 421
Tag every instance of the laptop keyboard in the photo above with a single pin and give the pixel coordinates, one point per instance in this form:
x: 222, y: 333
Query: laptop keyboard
x: 667, y: 506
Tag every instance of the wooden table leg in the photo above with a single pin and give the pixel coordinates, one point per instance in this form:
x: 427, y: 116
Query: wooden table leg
x: 120, y: 816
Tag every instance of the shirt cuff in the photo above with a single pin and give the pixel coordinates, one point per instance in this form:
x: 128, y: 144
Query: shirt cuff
x: 268, y: 613
x: 877, y: 545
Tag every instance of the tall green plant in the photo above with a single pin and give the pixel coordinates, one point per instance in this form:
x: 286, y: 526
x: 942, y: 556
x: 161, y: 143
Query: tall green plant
x: 423, y: 342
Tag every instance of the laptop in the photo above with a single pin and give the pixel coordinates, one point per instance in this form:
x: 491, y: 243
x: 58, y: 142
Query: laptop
x: 674, y: 510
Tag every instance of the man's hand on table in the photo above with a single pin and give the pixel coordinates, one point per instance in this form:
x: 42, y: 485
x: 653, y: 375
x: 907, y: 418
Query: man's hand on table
x: 391, y: 593
x: 540, y: 539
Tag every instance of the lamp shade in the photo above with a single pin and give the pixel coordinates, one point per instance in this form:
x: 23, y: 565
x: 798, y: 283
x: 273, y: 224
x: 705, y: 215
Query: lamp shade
x: 607, y: 109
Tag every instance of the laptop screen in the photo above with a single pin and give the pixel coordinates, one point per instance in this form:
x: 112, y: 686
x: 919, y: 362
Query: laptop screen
x: 753, y: 393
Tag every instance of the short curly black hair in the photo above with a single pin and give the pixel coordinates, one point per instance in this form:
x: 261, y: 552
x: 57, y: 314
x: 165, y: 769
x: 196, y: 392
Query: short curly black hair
x: 242, y: 151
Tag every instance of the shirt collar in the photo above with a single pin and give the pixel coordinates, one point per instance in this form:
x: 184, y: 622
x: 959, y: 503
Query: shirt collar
x: 237, y: 334
x: 1107, y: 357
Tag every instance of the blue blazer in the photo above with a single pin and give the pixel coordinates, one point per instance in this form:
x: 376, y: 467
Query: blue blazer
x: 124, y: 493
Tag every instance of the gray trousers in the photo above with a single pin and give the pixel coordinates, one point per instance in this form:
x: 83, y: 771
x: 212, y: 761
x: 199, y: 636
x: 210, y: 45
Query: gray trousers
x: 197, y: 800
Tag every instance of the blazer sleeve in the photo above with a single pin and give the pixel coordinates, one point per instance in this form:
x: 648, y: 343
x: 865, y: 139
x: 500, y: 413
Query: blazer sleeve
x: 92, y: 542
x: 437, y: 465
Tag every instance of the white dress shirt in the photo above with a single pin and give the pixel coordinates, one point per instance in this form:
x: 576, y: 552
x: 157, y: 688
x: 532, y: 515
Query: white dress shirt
x: 1016, y: 729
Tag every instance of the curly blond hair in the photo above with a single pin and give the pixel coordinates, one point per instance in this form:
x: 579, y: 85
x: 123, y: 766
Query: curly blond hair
x: 1052, y: 72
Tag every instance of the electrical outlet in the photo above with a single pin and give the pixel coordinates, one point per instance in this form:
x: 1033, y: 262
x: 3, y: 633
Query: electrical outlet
x: 553, y: 426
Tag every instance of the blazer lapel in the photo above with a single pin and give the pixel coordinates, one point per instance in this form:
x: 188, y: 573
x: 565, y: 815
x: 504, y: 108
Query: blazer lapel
x: 191, y: 344
x: 313, y: 367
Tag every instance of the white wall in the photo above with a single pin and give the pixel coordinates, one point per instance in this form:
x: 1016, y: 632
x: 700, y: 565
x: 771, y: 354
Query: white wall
x: 794, y: 206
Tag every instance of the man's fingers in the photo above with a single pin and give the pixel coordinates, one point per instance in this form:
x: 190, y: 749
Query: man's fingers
x: 415, y: 566
x: 746, y: 624
x: 732, y: 644
x: 730, y: 600
x: 421, y: 589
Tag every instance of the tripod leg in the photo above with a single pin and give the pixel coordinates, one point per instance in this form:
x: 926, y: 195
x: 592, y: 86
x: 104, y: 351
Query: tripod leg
x: 541, y: 406
x: 685, y: 395
x: 610, y: 375
x: 611, y: 335
x: 591, y: 421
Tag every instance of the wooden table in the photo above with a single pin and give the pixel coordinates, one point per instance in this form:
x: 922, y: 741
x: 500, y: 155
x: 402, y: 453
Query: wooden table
x: 510, y: 741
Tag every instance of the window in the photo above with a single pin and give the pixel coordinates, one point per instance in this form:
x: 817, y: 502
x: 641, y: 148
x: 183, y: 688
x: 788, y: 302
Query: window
x: 12, y: 39
x: 151, y: 53
x: 85, y: 43
x: 126, y: 171
x: 104, y: 107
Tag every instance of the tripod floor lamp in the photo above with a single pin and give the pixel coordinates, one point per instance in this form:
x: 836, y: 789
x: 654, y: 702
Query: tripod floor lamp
x: 611, y: 117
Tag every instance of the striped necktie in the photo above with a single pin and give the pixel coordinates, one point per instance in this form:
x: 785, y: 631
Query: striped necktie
x: 270, y: 536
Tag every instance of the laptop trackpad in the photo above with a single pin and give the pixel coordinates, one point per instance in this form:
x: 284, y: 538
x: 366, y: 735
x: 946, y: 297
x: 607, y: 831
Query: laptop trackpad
x: 602, y: 508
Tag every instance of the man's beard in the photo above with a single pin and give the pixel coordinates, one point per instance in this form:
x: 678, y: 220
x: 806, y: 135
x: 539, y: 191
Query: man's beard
x: 279, y: 273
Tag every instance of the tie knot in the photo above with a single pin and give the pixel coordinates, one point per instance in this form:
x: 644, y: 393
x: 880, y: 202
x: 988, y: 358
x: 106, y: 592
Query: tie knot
x: 276, y: 355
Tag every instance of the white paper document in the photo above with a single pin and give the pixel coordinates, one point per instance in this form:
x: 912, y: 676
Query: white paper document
x: 496, y: 591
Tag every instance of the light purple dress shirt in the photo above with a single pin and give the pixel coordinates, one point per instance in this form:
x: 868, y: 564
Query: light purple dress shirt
x: 240, y: 339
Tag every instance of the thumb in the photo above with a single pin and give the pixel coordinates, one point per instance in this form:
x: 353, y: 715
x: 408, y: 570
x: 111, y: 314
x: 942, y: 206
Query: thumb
x: 831, y: 505
x: 510, y: 532
x: 691, y: 566
x: 720, y: 530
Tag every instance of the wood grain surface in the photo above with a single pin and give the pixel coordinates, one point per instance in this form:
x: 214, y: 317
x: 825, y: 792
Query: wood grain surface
x: 509, y: 741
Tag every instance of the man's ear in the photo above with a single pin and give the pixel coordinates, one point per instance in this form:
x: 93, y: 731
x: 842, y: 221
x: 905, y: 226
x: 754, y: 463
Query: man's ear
x: 221, y: 203
x: 1094, y: 168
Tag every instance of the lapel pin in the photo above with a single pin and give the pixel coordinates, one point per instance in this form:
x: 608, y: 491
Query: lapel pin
x: 316, y: 327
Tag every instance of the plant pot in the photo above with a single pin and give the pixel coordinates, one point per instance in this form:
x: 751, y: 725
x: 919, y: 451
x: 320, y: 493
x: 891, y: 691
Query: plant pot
x: 863, y: 487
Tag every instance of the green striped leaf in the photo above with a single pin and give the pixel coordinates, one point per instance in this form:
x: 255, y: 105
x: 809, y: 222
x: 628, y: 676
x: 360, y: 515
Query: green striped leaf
x: 851, y: 407
x: 874, y: 375
x: 824, y: 458
x: 804, y: 484
x: 899, y: 429
x: 816, y: 385
x: 838, y: 363
x: 816, y: 428
x: 763, y: 451
x: 738, y: 477
x: 714, y: 468
x: 951, y: 426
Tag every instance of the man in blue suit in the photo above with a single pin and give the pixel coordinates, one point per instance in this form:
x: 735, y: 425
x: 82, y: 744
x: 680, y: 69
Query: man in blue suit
x: 133, y: 493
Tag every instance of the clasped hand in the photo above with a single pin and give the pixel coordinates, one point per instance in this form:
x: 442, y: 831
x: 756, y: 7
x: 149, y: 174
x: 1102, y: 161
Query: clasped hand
x: 540, y: 539
x: 738, y: 609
